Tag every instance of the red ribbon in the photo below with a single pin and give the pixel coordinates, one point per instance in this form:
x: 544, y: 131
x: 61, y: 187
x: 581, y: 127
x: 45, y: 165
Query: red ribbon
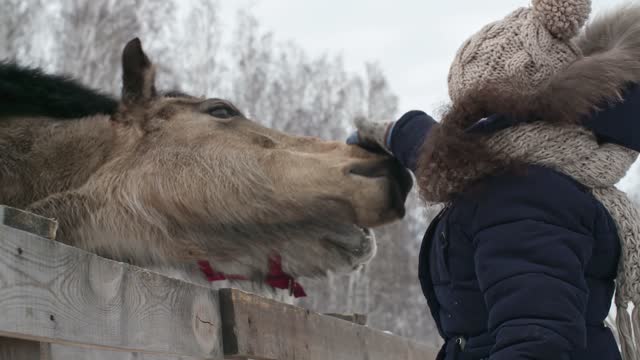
x: 213, y: 275
x: 276, y: 277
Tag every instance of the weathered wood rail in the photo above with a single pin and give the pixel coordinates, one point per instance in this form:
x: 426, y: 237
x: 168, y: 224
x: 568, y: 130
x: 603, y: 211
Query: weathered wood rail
x: 61, y: 303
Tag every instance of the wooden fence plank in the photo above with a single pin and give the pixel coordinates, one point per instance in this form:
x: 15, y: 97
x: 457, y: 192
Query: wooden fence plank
x: 255, y: 327
x: 29, y: 222
x: 55, y: 293
x: 18, y: 349
x: 360, y: 319
x: 64, y: 352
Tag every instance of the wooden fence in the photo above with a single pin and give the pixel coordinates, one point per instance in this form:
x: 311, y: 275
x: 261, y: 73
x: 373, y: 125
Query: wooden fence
x: 61, y: 303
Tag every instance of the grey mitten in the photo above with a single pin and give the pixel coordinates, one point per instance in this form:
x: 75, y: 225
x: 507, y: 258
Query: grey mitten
x: 371, y: 134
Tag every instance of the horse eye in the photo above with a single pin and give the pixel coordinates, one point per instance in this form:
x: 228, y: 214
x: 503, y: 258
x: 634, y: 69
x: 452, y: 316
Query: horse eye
x: 221, y: 111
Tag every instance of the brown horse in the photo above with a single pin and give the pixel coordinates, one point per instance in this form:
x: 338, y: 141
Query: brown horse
x: 169, y: 179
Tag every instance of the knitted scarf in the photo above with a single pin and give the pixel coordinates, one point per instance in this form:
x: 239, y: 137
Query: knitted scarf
x: 574, y: 151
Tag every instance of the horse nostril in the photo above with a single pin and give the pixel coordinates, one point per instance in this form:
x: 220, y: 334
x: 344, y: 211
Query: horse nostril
x: 371, y: 170
x: 403, y: 178
x: 403, y: 184
x: 400, y: 180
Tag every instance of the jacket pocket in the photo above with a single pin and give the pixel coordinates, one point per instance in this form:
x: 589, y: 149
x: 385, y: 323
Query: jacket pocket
x: 442, y: 255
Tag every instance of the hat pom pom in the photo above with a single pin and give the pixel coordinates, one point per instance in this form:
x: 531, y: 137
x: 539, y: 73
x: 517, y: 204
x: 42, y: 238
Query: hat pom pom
x: 562, y: 18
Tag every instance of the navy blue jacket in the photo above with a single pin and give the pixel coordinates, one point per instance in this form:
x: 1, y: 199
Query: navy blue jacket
x: 523, y: 267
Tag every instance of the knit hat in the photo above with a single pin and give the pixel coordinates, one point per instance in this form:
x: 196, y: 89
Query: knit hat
x: 522, y: 51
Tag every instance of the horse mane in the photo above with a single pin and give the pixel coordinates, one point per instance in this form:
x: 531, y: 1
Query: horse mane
x: 28, y: 91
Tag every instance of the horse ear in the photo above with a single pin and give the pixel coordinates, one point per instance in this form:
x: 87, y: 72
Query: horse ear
x: 138, y: 74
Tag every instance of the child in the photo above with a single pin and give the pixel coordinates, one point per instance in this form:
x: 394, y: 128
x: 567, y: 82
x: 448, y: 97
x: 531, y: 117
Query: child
x: 523, y: 261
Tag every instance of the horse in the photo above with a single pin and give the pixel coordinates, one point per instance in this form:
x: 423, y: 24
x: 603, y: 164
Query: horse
x: 168, y: 180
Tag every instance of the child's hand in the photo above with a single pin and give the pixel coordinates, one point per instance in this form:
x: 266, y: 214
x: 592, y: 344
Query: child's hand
x: 373, y: 136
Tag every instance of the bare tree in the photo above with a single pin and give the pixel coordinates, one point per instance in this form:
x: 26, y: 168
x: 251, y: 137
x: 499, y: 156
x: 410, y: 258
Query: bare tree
x: 188, y: 39
x: 380, y: 101
x: 252, y: 57
x: 17, y: 21
x: 91, y: 39
x: 281, y: 86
